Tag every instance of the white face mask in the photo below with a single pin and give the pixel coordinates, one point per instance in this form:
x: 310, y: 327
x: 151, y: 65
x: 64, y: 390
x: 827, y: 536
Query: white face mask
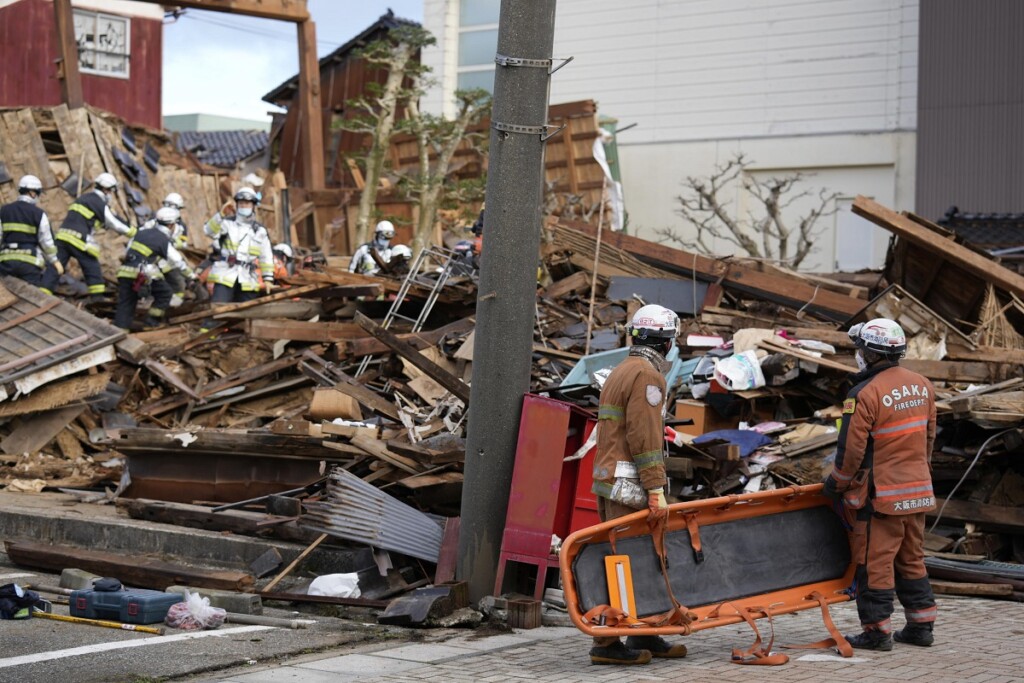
x: 861, y: 363
x: 245, y: 211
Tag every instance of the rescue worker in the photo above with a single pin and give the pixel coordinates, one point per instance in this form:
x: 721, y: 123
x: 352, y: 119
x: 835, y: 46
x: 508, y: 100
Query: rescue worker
x: 283, y: 256
x: 398, y: 264
x: 369, y: 257
x: 26, y: 241
x: 173, y: 277
x: 176, y: 201
x: 883, y: 473
x: 88, y: 213
x: 243, y: 260
x: 141, y: 265
x: 629, y: 467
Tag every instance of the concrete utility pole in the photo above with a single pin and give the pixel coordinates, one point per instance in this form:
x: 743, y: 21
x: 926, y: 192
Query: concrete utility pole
x: 503, y: 345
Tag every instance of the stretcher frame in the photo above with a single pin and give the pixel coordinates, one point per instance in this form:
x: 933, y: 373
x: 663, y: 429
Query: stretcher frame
x: 816, y: 595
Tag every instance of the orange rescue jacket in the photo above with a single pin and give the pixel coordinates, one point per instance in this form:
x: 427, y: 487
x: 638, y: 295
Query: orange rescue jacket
x: 883, y: 458
x: 631, y: 426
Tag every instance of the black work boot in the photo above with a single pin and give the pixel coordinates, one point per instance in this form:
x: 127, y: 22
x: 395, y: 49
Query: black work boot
x: 617, y: 653
x: 657, y: 646
x: 915, y: 634
x: 871, y: 640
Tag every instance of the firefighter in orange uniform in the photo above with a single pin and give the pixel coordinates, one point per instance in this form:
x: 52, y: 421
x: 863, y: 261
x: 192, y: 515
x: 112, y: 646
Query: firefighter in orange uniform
x: 883, y: 472
x: 629, y: 467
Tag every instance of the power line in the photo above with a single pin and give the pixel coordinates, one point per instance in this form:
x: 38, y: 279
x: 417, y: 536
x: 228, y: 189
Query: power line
x: 276, y: 35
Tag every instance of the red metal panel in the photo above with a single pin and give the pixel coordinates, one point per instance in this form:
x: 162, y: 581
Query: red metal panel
x: 536, y: 477
x: 28, y: 48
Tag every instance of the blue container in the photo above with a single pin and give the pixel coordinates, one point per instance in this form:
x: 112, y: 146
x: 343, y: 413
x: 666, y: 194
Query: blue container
x: 136, y: 606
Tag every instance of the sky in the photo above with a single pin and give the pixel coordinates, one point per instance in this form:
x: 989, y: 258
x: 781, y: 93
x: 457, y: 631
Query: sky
x: 219, y: 63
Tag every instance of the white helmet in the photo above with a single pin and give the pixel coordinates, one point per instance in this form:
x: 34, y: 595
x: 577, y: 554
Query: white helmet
x: 174, y: 200
x: 401, y: 251
x: 247, y: 194
x: 106, y: 181
x: 167, y: 215
x: 29, y: 183
x: 284, y: 249
x: 653, y: 322
x: 881, y: 335
x: 385, y: 229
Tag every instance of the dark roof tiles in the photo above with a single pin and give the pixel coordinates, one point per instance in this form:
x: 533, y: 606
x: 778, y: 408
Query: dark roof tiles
x: 223, y: 148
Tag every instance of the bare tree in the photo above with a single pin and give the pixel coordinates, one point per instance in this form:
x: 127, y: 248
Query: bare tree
x: 766, y: 233
x: 442, y: 137
x: 398, y: 53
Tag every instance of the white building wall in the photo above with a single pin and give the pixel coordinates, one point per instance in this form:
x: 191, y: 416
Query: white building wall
x: 821, y: 86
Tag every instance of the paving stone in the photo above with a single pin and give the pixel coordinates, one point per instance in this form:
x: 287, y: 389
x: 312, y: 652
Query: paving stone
x: 357, y: 664
x: 423, y: 652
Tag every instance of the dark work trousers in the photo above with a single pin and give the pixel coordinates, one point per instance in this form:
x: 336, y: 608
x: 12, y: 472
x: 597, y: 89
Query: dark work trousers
x: 89, y: 264
x: 23, y: 271
x: 128, y: 301
x: 222, y: 294
x: 889, y: 552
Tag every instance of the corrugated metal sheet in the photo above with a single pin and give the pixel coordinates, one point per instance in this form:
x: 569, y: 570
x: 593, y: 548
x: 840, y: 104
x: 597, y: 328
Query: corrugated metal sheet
x: 970, y: 146
x: 39, y: 332
x: 361, y: 512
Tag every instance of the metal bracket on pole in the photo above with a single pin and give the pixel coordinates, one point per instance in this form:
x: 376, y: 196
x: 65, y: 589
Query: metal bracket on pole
x: 505, y: 60
x: 542, y: 131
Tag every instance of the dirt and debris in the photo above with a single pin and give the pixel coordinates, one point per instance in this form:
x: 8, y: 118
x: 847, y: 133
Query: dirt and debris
x: 370, y: 375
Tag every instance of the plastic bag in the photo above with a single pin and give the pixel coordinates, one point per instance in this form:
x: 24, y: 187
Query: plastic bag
x: 195, y: 613
x: 740, y: 372
x: 335, y: 586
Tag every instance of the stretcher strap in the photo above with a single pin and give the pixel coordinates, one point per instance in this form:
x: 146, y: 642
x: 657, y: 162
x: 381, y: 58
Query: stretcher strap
x: 755, y: 654
x: 677, y: 615
x: 837, y: 640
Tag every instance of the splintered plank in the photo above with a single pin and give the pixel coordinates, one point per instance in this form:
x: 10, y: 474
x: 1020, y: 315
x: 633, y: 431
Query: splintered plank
x: 302, y: 331
x: 79, y: 144
x: 132, y: 569
x: 924, y: 238
x: 447, y: 380
x: 24, y: 149
x: 225, y: 310
x: 39, y: 430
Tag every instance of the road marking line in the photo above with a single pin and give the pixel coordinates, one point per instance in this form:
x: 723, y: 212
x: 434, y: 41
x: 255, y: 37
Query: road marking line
x: 20, y: 575
x: 122, y: 644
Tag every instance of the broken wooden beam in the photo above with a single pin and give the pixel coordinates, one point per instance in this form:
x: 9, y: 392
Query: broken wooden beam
x: 224, y: 310
x: 132, y: 569
x: 790, y: 291
x: 447, y: 380
x: 370, y: 346
x: 302, y: 331
x: 930, y: 241
x: 995, y: 517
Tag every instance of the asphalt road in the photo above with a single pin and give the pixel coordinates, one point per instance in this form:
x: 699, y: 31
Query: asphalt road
x: 46, y: 651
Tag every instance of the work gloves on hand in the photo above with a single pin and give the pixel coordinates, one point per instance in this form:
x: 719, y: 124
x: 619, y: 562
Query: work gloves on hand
x: 58, y: 267
x: 829, y: 490
x: 657, y: 506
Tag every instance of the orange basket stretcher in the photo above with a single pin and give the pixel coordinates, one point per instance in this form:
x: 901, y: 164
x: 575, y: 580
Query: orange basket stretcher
x: 715, y: 562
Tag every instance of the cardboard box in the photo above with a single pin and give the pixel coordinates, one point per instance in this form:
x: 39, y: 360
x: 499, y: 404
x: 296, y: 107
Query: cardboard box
x: 705, y: 418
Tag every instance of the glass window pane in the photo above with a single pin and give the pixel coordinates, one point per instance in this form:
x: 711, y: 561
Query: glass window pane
x: 477, y: 47
x: 476, y: 79
x: 476, y: 12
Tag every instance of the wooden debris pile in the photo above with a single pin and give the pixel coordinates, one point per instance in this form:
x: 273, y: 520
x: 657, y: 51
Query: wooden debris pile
x: 310, y: 377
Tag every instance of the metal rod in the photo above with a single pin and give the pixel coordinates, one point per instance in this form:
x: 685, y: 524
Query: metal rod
x: 597, y: 260
x: 159, y: 631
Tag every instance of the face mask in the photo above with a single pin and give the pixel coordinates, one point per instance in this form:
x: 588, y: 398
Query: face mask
x: 861, y: 363
x: 245, y: 212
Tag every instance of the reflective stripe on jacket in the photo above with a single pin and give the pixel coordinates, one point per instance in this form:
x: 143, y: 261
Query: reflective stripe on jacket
x: 245, y: 252
x: 883, y: 458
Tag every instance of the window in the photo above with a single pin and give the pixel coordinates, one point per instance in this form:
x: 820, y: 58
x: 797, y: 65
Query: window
x: 103, y: 43
x: 478, y: 42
